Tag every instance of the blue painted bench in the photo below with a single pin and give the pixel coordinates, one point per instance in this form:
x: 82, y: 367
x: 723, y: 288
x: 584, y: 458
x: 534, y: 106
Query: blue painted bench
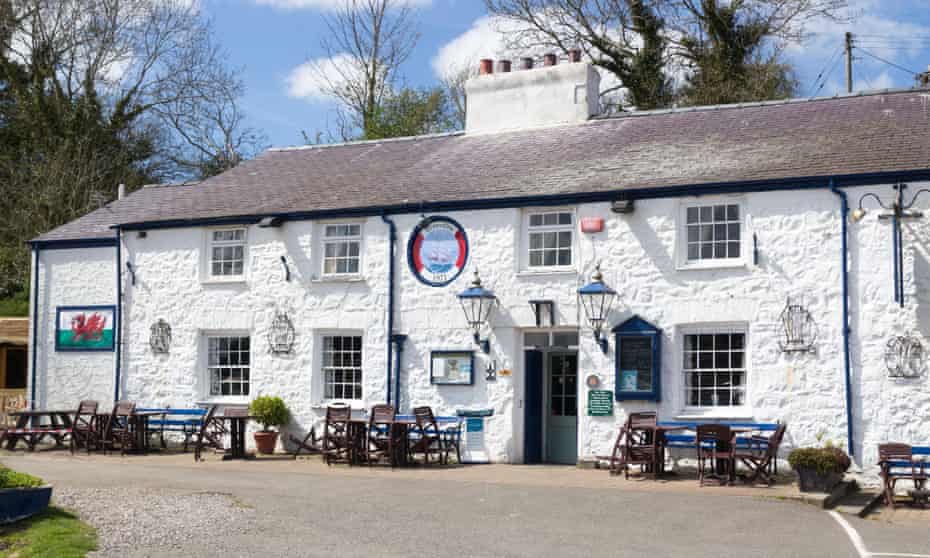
x: 186, y: 422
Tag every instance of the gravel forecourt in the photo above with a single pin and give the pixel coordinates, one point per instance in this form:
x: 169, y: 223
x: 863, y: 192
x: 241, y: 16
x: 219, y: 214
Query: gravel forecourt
x: 131, y: 519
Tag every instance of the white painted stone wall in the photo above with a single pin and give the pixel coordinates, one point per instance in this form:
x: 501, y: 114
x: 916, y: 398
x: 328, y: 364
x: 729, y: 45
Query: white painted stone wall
x: 73, y: 277
x: 799, y: 248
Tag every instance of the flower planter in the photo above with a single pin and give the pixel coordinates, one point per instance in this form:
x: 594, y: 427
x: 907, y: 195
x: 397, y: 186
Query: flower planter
x: 265, y: 442
x: 20, y: 503
x: 810, y: 480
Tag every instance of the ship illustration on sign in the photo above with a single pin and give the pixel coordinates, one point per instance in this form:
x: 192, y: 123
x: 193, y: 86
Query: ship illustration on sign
x: 437, y: 251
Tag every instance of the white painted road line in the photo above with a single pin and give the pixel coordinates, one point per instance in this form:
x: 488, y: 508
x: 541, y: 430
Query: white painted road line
x: 859, y: 544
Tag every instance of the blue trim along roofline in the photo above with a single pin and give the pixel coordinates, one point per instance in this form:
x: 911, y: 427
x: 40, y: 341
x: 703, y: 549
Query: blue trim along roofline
x: 701, y: 189
x: 69, y: 243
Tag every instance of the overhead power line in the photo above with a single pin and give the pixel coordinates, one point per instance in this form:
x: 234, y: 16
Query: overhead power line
x: 890, y: 63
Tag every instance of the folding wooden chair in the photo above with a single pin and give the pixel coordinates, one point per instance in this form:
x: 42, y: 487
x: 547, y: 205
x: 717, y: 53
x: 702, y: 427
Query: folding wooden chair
x: 897, y: 462
x: 209, y: 435
x: 715, y: 453
x: 84, y: 425
x: 636, y: 444
x: 118, y: 431
x: 426, y: 438
x: 311, y: 443
x: 381, y: 436
x: 337, y: 442
x: 760, y: 456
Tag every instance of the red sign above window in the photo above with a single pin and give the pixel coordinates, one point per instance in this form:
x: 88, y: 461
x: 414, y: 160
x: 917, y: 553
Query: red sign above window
x: 592, y: 224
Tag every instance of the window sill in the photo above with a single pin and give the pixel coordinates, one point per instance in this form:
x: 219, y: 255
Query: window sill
x: 547, y: 271
x: 711, y: 265
x: 355, y: 405
x: 215, y: 281
x: 339, y: 279
x: 228, y: 401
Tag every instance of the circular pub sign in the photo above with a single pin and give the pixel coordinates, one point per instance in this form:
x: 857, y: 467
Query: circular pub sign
x: 437, y: 251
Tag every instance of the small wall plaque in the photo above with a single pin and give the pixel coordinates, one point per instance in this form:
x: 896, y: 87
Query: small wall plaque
x: 600, y: 403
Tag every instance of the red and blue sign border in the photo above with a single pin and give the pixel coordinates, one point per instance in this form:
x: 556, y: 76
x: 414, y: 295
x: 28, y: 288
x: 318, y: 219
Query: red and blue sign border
x: 413, y: 258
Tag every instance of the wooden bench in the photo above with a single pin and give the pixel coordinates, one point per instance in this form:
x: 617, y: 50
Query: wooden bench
x: 186, y: 422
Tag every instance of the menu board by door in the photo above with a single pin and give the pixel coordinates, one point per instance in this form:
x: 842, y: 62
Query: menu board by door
x: 636, y: 364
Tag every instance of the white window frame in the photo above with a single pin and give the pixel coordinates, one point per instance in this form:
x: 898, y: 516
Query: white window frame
x: 731, y: 411
x: 209, y: 243
x: 320, y: 353
x: 713, y: 263
x: 525, y: 239
x: 321, y: 248
x: 205, y: 368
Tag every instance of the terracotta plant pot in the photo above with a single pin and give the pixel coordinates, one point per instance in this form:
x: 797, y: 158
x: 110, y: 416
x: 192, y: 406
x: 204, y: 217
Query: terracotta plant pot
x: 265, y: 442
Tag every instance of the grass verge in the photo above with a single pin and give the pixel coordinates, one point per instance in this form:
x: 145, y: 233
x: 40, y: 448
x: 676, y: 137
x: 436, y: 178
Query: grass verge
x: 54, y: 533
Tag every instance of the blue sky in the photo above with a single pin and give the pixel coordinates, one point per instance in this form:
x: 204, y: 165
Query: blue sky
x: 270, y: 40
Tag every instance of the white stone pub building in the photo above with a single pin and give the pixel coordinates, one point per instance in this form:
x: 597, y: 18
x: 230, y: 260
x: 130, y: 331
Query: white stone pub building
x: 704, y: 221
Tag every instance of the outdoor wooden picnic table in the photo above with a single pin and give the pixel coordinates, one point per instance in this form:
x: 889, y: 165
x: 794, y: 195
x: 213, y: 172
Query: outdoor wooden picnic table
x: 139, y: 422
x: 661, y: 430
x: 30, y: 427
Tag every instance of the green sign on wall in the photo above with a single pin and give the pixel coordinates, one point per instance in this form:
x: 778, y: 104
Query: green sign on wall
x: 600, y: 403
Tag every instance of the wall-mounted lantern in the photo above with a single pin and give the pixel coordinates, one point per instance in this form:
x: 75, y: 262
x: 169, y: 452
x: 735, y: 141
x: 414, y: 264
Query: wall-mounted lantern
x: 160, y: 337
x: 281, y: 334
x: 899, y: 211
x: 477, y: 303
x: 596, y: 298
x: 799, y: 331
x: 544, y: 311
x: 905, y: 357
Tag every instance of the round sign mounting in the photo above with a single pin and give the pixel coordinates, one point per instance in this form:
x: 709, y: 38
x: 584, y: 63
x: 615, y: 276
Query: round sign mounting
x: 437, y: 251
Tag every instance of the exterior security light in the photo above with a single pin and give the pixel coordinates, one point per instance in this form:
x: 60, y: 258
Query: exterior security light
x: 858, y: 214
x: 597, y: 298
x: 477, y: 303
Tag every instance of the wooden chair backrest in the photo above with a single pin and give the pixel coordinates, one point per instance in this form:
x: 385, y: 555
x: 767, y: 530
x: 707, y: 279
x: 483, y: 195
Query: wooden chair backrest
x: 775, y: 439
x: 124, y: 409
x: 425, y: 419
x: 85, y: 412
x: 338, y: 413
x: 713, y: 434
x: 207, y: 420
x: 895, y: 452
x: 642, y: 420
x: 236, y: 412
x: 382, y: 414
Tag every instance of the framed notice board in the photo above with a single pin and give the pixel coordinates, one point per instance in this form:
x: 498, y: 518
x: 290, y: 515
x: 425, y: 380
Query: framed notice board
x: 452, y: 368
x: 638, y: 360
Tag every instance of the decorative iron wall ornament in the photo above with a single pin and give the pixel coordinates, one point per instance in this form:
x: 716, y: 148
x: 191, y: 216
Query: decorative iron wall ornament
x: 160, y: 337
x: 798, y: 328
x: 281, y: 334
x: 905, y: 357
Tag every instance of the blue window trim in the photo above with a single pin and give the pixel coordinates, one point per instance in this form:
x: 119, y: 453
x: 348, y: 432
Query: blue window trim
x: 637, y: 327
x: 60, y: 309
x: 471, y: 356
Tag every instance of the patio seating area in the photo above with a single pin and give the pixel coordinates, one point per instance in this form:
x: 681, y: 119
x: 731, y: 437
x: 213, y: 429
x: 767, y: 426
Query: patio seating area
x: 378, y: 437
x: 720, y: 449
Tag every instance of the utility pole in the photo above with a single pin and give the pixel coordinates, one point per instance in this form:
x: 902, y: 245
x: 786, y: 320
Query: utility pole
x: 849, y: 47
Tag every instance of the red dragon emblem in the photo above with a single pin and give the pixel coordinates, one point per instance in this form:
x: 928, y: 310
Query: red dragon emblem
x: 87, y: 329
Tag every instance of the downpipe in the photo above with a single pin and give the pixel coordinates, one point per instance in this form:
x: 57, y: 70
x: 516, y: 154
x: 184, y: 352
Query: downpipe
x: 844, y: 210
x: 118, y: 326
x: 35, y: 320
x: 390, y: 317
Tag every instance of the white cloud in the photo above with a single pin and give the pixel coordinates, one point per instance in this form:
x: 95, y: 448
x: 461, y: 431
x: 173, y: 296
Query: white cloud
x: 485, y: 39
x: 322, y: 4
x: 310, y: 80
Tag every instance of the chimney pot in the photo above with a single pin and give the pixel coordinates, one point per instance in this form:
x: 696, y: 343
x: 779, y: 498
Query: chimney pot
x: 526, y: 63
x: 549, y: 59
x: 487, y: 66
x: 574, y: 55
x: 121, y: 191
x: 503, y: 66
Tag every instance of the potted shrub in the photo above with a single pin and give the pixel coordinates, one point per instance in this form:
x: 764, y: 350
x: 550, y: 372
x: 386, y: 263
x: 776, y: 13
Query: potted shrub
x: 819, y: 469
x: 270, y: 412
x: 21, y: 495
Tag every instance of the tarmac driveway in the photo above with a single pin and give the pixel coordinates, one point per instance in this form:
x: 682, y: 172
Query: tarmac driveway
x: 305, y: 509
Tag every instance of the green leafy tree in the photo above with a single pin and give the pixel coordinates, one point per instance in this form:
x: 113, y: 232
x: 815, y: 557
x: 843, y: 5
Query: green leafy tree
x: 412, y: 112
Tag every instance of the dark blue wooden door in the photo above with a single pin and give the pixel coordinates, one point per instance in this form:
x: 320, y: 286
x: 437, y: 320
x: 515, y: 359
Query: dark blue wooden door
x: 532, y: 407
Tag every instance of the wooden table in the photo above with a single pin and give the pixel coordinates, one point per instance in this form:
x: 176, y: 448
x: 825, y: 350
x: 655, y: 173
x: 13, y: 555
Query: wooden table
x: 237, y: 428
x: 31, y: 428
x: 660, y: 431
x: 139, y: 423
x: 358, y: 433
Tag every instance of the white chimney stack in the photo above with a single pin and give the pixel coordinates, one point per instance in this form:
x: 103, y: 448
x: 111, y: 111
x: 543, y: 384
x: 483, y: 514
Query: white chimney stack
x: 545, y: 96
x: 121, y: 191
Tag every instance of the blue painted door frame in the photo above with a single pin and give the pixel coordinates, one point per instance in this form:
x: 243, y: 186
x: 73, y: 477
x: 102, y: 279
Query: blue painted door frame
x: 532, y: 407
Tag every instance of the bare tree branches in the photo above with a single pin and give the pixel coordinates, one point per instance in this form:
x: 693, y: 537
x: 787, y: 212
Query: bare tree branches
x: 368, y: 41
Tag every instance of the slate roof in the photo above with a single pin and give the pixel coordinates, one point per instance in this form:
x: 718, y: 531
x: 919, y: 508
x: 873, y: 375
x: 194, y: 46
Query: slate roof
x: 867, y: 133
